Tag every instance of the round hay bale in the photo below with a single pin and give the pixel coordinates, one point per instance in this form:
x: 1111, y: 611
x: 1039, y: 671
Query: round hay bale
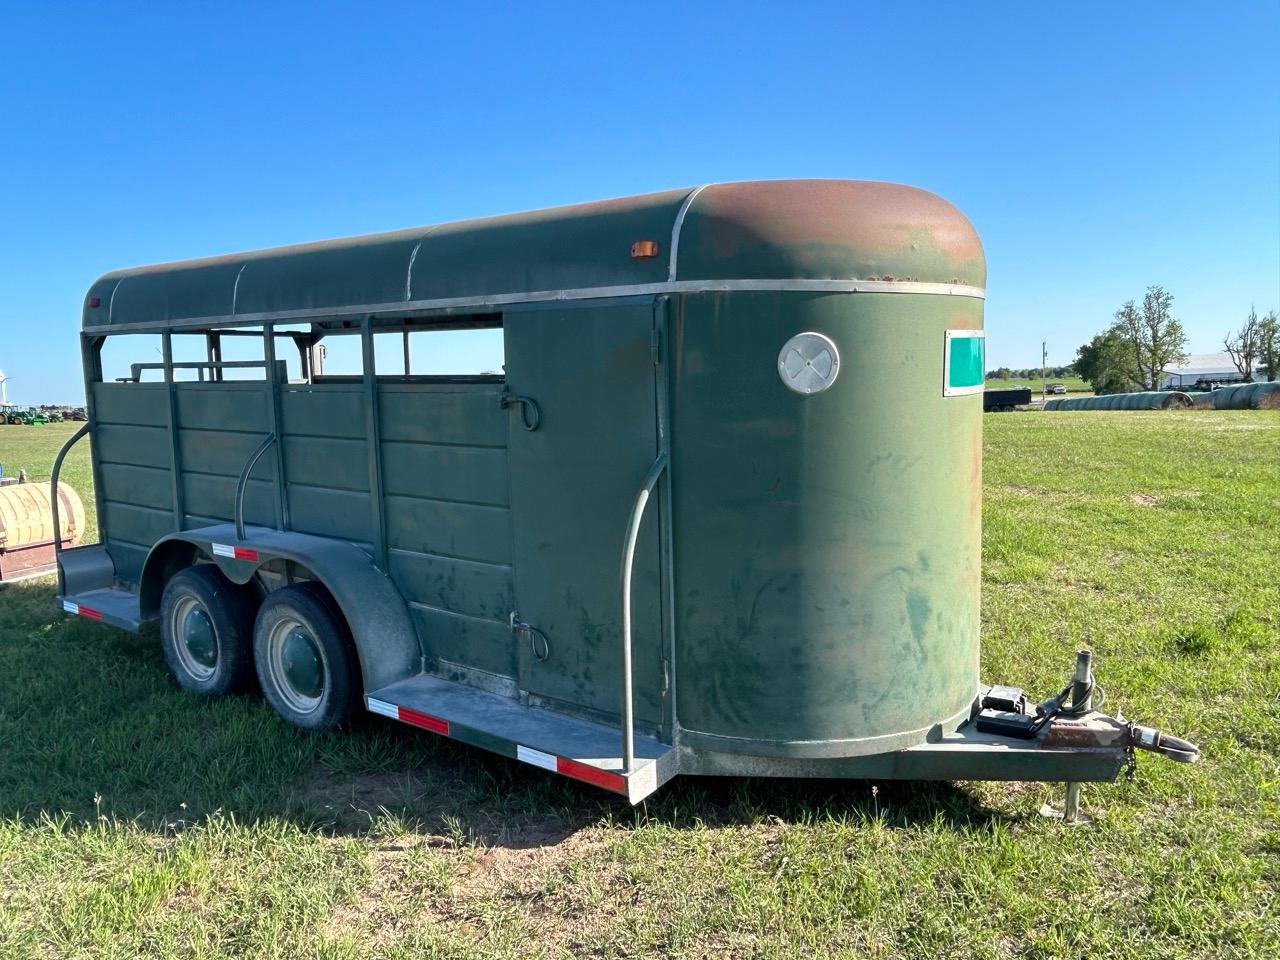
x: 1224, y: 398
x: 1202, y: 400
x: 1265, y: 396
x: 1175, y: 400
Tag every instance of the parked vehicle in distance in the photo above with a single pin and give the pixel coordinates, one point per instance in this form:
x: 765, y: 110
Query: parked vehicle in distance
x: 1005, y: 399
x: 1056, y: 388
x: 669, y: 537
x: 26, y: 416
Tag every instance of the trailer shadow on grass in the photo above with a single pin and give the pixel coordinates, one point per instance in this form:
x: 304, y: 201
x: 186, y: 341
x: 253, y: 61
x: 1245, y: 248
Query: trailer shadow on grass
x: 91, y: 725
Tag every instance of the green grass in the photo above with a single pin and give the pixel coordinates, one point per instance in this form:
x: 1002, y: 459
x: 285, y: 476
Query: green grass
x: 138, y: 821
x: 1073, y: 384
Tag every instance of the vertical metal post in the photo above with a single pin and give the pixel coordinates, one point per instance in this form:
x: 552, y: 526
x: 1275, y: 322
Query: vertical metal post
x: 91, y: 362
x: 406, y: 352
x: 628, y: 562
x: 274, y: 422
x: 373, y: 431
x: 213, y: 348
x: 628, y: 705
x: 1044, y: 376
x: 175, y: 448
x: 1081, y: 694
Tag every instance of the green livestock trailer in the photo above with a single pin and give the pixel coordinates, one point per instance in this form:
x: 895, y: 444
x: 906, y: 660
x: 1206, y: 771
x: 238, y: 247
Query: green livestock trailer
x: 686, y: 525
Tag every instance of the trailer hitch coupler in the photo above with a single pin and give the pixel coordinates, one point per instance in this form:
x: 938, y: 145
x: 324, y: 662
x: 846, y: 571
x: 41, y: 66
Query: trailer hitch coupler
x: 1175, y: 748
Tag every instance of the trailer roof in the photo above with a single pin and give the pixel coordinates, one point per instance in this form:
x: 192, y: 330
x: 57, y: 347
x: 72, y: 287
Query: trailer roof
x: 772, y: 234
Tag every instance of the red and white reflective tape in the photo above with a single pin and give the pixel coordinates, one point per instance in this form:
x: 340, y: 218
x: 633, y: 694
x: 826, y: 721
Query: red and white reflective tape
x: 80, y: 610
x: 572, y: 768
x: 234, y: 552
x: 424, y: 720
x: 547, y: 761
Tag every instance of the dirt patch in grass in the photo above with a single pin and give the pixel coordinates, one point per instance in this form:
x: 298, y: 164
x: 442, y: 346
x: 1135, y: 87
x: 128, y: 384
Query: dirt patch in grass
x: 1024, y: 491
x: 433, y: 804
x: 1144, y: 500
x: 432, y: 882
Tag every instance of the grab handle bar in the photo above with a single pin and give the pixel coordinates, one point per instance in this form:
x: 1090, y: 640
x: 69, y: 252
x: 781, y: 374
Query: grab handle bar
x: 628, y: 561
x: 262, y: 448
x: 53, y: 499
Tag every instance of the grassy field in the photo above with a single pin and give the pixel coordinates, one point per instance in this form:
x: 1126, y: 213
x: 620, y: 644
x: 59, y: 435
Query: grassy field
x: 138, y: 821
x: 1073, y: 384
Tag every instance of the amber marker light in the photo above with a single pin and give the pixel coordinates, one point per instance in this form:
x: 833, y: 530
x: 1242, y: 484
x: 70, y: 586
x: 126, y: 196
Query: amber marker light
x: 644, y: 249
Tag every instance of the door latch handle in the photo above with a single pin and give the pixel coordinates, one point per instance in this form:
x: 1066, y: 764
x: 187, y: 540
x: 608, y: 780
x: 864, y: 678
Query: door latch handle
x: 530, y: 412
x: 539, y: 646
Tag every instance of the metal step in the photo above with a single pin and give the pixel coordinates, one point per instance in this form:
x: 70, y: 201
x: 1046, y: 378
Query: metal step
x: 574, y: 748
x: 110, y: 605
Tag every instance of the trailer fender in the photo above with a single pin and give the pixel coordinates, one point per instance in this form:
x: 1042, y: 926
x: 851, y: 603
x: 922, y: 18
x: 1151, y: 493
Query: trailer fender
x: 385, y: 639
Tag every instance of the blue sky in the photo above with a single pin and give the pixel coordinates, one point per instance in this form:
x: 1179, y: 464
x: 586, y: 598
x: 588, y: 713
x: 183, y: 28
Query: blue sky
x: 1098, y: 148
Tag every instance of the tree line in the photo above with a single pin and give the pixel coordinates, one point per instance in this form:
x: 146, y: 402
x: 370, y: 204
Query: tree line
x: 1031, y: 373
x: 1145, y: 339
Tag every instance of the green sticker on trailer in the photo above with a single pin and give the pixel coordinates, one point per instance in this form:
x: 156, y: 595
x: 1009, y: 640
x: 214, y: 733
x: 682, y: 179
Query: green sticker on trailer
x: 965, y: 359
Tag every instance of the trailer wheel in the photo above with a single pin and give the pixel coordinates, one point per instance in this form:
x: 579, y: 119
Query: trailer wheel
x: 206, y: 631
x: 305, y: 657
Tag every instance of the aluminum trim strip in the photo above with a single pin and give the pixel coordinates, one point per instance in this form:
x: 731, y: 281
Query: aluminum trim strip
x: 235, y: 288
x: 675, y: 229
x: 544, y: 296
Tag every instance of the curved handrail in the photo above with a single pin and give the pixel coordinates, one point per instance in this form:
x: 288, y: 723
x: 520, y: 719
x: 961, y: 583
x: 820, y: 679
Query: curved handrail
x: 53, y: 498
x: 262, y: 448
x: 628, y: 561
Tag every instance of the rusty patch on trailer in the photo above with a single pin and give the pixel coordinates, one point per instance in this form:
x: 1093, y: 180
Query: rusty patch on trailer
x: 1092, y: 730
x: 889, y: 228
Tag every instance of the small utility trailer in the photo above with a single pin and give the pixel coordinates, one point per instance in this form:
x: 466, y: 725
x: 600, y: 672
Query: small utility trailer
x: 1005, y: 399
x: 684, y: 527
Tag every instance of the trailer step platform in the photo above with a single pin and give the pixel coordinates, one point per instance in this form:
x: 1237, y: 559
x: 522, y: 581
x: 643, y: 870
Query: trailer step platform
x: 110, y: 605
x: 575, y: 748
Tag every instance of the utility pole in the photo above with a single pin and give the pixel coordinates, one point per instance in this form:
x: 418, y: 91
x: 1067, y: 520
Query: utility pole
x: 1044, y: 361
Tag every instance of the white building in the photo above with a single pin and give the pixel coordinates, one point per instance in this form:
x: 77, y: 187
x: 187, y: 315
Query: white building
x: 1215, y: 367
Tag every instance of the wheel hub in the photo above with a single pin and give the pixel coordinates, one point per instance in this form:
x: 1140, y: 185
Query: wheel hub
x: 301, y: 663
x: 194, y: 638
x: 199, y: 637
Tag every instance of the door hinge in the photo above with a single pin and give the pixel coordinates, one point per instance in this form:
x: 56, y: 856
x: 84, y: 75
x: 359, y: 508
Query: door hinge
x: 655, y: 345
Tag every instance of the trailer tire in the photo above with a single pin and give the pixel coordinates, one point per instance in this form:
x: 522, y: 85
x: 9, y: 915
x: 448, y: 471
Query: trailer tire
x: 206, y: 631
x: 305, y: 657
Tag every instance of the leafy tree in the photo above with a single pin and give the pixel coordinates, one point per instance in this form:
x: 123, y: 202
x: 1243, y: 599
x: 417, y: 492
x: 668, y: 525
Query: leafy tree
x: 1243, y: 345
x: 1153, y: 340
x: 1102, y: 363
x: 1269, y: 345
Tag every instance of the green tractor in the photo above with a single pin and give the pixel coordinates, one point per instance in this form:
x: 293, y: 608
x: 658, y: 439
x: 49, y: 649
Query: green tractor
x: 22, y: 415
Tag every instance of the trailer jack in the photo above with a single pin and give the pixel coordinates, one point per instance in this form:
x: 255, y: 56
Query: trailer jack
x: 1072, y: 720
